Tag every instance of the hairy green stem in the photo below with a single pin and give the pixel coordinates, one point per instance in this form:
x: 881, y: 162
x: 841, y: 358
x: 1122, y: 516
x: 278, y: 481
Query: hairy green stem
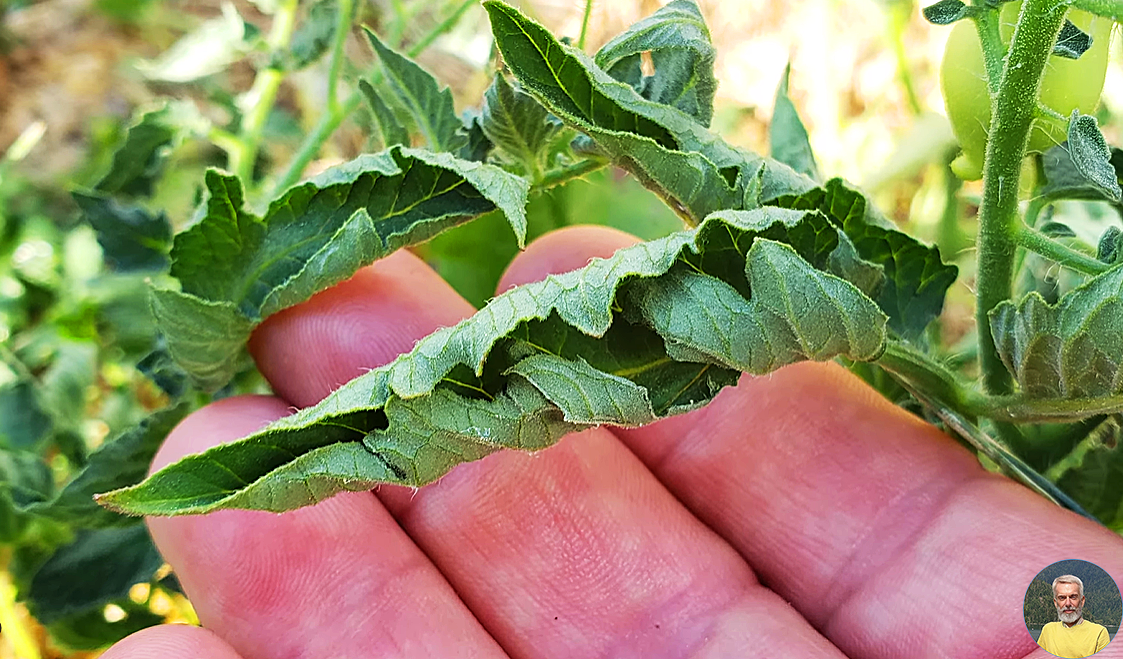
x: 1014, y: 109
x: 1112, y: 9
x: 585, y: 24
x: 1062, y: 254
x: 342, y: 30
x: 986, y: 22
x: 333, y: 116
x: 925, y: 374
x: 263, y: 94
x: 1020, y: 409
x: 566, y: 174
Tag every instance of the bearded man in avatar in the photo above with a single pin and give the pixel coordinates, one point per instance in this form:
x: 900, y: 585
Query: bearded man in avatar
x: 1073, y: 636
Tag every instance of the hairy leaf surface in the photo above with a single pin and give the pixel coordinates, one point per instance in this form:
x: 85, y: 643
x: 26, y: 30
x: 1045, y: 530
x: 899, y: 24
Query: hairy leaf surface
x: 786, y: 134
x: 682, y: 56
x: 518, y: 125
x: 692, y: 169
x: 916, y: 279
x: 1069, y: 350
x: 1096, y: 482
x: 236, y: 269
x: 131, y: 238
x: 655, y: 330
x: 391, y: 130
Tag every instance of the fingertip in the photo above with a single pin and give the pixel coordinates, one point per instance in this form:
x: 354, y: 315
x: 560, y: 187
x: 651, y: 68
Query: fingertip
x: 170, y: 642
x: 563, y: 250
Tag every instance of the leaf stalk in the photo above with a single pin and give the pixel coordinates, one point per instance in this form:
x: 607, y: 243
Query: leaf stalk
x: 1062, y: 254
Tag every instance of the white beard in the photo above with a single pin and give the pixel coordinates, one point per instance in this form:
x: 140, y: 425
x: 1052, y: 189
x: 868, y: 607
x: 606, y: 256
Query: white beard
x: 1070, y: 617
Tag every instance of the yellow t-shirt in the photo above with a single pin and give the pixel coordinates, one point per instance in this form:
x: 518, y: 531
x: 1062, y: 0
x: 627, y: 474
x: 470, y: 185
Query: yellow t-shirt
x: 1081, y: 640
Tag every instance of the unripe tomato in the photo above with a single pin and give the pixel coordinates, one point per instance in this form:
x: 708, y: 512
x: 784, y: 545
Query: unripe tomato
x: 1067, y: 85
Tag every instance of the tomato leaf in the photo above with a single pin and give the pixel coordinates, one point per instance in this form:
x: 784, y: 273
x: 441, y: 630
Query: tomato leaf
x: 235, y: 268
x: 692, y: 169
x: 139, y: 162
x: 1091, y: 157
x: 97, y: 568
x: 1069, y: 350
x: 117, y: 463
x: 312, y: 37
x: 518, y: 126
x: 131, y: 238
x: 1072, y: 42
x: 656, y: 329
x: 946, y: 12
x: 787, y: 135
x: 916, y: 280
x: 1096, y: 482
x: 430, y: 107
x: 389, y: 127
x: 682, y: 55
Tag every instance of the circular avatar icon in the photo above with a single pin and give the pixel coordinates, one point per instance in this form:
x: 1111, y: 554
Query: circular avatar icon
x: 1072, y: 608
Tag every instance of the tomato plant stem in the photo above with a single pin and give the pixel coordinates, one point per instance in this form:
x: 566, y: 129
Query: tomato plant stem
x: 263, y: 94
x: 1014, y: 109
x: 1037, y: 242
x: 565, y: 174
x: 585, y: 24
x: 335, y: 113
x: 986, y: 22
x: 342, y: 30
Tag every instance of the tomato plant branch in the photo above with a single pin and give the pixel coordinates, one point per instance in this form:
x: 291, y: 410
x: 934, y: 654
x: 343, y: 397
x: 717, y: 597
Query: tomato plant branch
x: 585, y: 24
x: 262, y: 95
x: 1014, y: 110
x: 986, y: 22
x: 1020, y: 409
x: 899, y: 16
x: 342, y: 30
x: 557, y: 177
x: 1062, y: 254
x: 331, y: 119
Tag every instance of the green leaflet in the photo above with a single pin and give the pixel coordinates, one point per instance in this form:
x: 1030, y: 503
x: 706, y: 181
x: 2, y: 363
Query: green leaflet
x: 235, y: 268
x: 692, y: 169
x: 389, y: 127
x: 787, y: 135
x: 517, y: 125
x: 430, y: 107
x: 916, y: 279
x: 25, y: 480
x: 117, y: 463
x: 1070, y: 350
x: 131, y: 238
x: 139, y: 162
x: 682, y: 55
x: 624, y: 341
x: 1096, y: 482
x: 314, y: 34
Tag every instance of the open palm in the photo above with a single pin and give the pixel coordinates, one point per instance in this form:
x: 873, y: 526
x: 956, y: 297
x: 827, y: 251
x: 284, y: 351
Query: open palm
x: 799, y: 515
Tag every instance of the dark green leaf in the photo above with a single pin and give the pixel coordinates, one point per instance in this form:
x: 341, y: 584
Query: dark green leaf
x: 1072, y: 42
x: 1063, y: 180
x: 139, y: 162
x: 693, y: 170
x: 916, y: 279
x: 390, y: 129
x: 131, y: 238
x: 682, y: 55
x: 1057, y: 230
x: 97, y: 568
x: 946, y: 12
x: 1069, y: 350
x: 430, y: 107
x: 787, y: 135
x: 23, y: 419
x: 1109, y: 247
x: 1096, y: 482
x: 656, y: 329
x: 1091, y: 156
x: 25, y: 480
x: 518, y: 126
x: 118, y: 463
x: 159, y: 367
x: 91, y: 631
x: 236, y: 269
x: 478, y: 145
x: 314, y: 34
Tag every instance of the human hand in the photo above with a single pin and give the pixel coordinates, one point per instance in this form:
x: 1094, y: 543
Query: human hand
x: 799, y: 515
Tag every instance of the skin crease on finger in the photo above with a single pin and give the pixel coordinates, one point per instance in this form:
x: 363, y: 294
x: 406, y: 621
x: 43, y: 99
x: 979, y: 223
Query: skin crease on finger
x: 855, y: 511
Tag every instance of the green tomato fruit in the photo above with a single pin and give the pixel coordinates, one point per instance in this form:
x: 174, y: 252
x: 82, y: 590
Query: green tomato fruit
x: 1067, y: 85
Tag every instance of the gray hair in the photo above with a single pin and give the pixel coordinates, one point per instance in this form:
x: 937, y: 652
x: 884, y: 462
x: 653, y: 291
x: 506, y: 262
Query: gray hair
x: 1068, y: 578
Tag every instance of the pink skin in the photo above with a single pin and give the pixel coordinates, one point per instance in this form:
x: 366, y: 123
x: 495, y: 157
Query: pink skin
x: 876, y: 536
